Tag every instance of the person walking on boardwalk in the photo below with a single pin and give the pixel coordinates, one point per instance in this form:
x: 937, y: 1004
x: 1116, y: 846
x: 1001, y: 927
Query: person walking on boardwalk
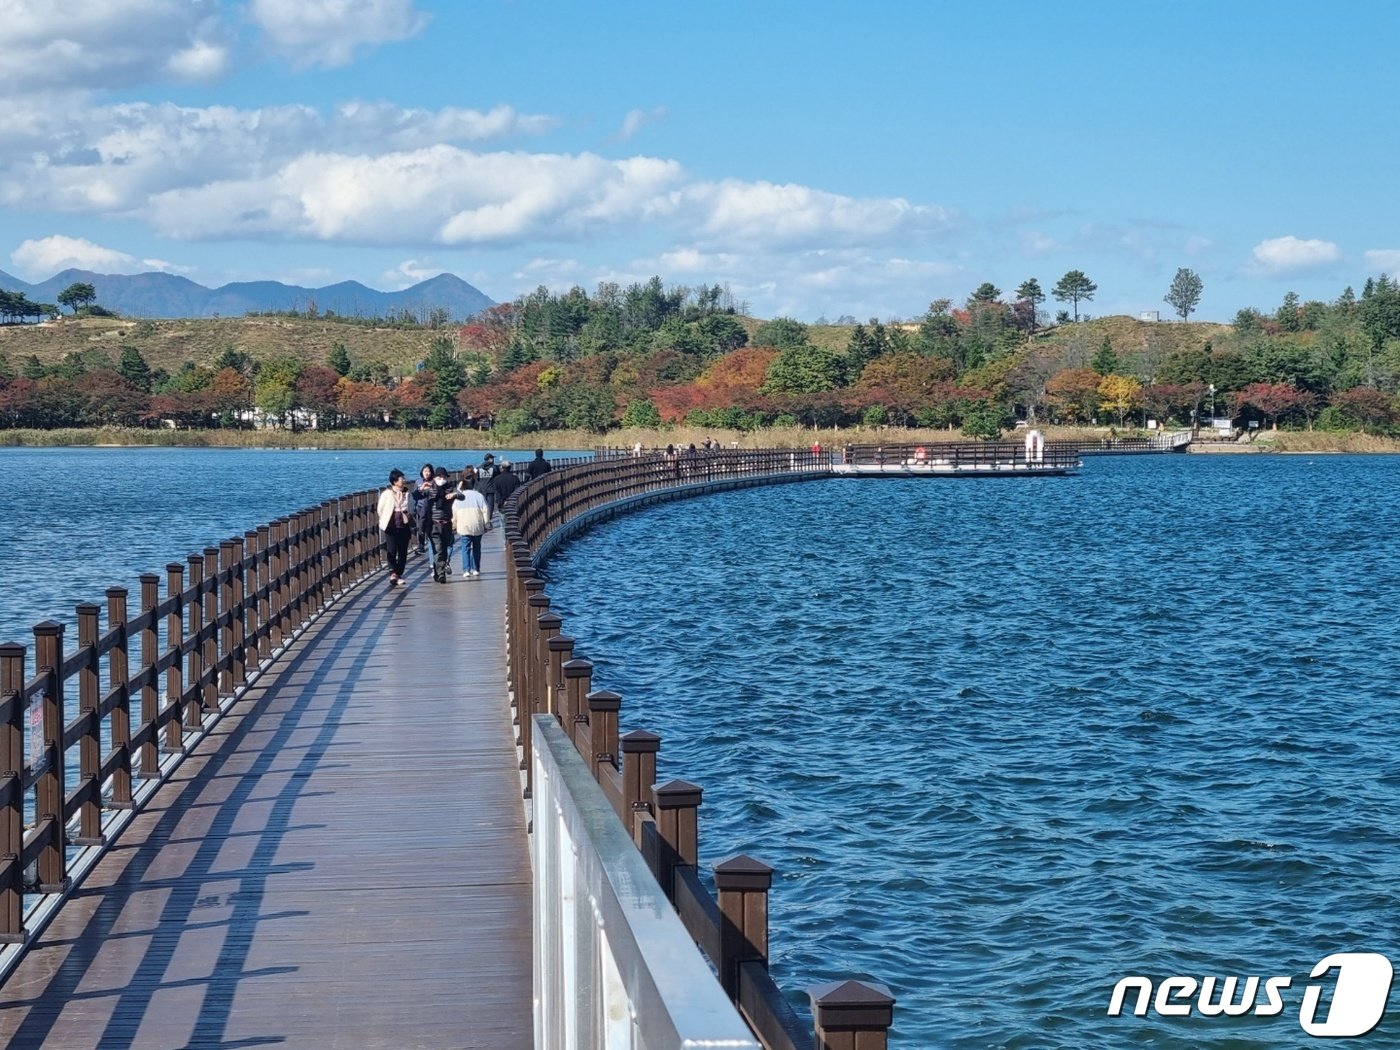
x: 395, y: 524
x: 505, y: 483
x: 485, y: 481
x: 539, y: 466
x: 471, y: 518
x: 421, y: 521
x: 440, y: 500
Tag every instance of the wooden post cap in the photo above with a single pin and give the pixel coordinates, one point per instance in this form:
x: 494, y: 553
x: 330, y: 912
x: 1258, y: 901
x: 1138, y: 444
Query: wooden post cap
x: 539, y: 600
x: 578, y: 668
x: 742, y: 872
x: 116, y: 592
x: 677, y: 794
x: 560, y: 643
x: 549, y: 621
x: 604, y: 700
x: 849, y: 1005
x: 48, y: 628
x: 11, y: 650
x: 88, y: 609
x: 640, y: 742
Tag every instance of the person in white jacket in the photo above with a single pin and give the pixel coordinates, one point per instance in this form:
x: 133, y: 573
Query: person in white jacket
x: 395, y: 524
x: 471, y: 519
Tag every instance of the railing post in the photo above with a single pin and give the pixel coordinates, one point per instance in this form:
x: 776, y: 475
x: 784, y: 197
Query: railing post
x: 90, y: 743
x: 276, y: 584
x: 603, y: 706
x: 264, y: 591
x: 175, y: 643
x: 194, y: 663
x: 639, y: 749
x: 578, y: 682
x: 546, y: 661
x: 48, y: 794
x: 676, y: 803
x: 12, y: 817
x: 231, y: 609
x: 742, y: 884
x: 851, y: 1015
x: 149, y: 765
x: 211, y: 628
x: 118, y: 679
x: 536, y: 602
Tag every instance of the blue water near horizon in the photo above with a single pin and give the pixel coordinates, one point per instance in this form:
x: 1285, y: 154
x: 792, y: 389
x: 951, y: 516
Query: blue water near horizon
x: 1005, y: 741
x: 93, y: 517
x: 1009, y: 741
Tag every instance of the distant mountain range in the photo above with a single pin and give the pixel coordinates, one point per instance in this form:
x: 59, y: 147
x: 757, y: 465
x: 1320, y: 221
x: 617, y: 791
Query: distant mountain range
x: 168, y: 295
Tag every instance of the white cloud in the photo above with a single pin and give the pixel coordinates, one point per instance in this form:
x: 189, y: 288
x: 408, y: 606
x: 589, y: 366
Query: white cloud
x: 69, y: 45
x: 636, y: 120
x: 46, y: 256
x: 1285, y: 255
x: 789, y: 215
x: 1384, y: 259
x: 1197, y: 244
x: 409, y: 272
x: 327, y: 33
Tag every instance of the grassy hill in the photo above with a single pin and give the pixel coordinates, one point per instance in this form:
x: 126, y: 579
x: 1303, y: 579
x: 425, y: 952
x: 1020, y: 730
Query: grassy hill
x: 168, y: 344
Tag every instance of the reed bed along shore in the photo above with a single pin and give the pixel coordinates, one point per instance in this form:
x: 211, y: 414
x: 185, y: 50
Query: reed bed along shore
x: 1315, y: 441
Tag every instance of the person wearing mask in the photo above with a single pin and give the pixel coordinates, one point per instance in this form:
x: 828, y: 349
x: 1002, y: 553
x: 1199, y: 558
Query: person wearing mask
x: 471, y: 518
x: 505, y: 483
x: 421, y: 522
x: 485, y: 481
x: 395, y: 524
x: 539, y: 465
x: 440, y: 500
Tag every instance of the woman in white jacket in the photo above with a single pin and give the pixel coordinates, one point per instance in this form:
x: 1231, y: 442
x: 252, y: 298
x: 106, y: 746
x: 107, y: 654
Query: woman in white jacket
x: 471, y: 519
x: 395, y: 524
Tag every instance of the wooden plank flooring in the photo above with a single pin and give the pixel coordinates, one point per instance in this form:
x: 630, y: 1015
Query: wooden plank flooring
x: 343, y: 863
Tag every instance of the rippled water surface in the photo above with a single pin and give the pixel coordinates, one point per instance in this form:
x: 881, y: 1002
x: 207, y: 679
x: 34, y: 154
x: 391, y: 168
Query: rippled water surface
x: 1008, y: 741
x: 82, y: 520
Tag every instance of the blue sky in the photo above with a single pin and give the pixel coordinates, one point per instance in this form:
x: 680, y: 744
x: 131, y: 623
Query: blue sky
x: 820, y: 159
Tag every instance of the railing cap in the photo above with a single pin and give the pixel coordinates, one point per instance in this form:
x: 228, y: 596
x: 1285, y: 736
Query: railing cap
x: 604, y: 700
x: 742, y: 872
x: 117, y: 592
x: 11, y: 649
x: 640, y: 742
x: 852, y: 1004
x: 48, y: 628
x: 88, y: 609
x: 578, y: 668
x: 677, y: 794
x: 561, y: 643
x: 174, y: 566
x: 549, y: 621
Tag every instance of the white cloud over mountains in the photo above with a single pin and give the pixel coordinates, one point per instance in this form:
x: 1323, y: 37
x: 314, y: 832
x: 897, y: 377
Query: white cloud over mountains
x: 42, y: 257
x: 1290, y: 255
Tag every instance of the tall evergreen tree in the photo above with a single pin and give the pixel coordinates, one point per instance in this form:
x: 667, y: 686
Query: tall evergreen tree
x: 133, y: 368
x: 1074, y: 288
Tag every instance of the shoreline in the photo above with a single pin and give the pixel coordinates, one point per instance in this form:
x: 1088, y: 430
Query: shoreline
x: 1272, y: 442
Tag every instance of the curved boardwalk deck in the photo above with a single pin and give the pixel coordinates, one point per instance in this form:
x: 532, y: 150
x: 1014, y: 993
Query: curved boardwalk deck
x: 343, y: 863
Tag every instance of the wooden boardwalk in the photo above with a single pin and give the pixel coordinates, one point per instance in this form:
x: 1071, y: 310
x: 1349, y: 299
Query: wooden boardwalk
x: 343, y: 863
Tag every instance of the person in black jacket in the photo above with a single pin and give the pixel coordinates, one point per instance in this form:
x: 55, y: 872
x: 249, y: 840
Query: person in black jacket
x: 439, y: 500
x: 486, y: 481
x: 539, y: 465
x: 505, y: 483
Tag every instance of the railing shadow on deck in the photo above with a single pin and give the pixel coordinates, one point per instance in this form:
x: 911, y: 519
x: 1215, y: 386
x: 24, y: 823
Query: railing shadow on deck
x: 201, y: 648
x: 200, y: 886
x: 552, y: 687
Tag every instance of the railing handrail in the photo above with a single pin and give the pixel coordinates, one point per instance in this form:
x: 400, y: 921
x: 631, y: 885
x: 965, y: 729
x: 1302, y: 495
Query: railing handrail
x: 551, y: 681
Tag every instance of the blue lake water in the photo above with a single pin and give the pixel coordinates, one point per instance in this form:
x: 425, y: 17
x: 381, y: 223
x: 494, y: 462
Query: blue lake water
x: 1005, y: 741
x: 1009, y: 741
x: 93, y: 518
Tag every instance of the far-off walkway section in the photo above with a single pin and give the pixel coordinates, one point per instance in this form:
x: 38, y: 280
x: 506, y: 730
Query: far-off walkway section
x: 342, y: 863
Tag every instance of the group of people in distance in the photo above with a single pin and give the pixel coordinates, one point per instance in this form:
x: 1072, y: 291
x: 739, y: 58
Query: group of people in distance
x: 439, y: 512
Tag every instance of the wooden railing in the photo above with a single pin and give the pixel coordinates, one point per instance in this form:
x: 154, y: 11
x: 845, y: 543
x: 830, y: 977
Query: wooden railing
x: 550, y: 677
x: 224, y: 616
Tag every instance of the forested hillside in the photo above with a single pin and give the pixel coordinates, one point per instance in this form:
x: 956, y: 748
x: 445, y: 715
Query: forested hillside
x: 650, y: 355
